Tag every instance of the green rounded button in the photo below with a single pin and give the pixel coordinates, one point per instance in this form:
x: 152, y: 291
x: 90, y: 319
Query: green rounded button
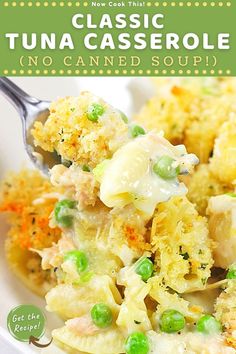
x: 25, y: 321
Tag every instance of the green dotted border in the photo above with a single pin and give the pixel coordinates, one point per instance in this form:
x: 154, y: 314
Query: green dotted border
x: 86, y: 3
x: 44, y: 4
x: 126, y: 72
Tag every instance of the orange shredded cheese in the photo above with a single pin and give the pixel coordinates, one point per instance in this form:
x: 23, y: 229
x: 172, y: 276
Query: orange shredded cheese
x: 135, y: 239
x: 177, y: 91
x: 29, y: 222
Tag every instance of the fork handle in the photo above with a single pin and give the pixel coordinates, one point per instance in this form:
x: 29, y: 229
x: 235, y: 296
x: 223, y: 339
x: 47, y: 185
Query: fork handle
x: 16, y: 96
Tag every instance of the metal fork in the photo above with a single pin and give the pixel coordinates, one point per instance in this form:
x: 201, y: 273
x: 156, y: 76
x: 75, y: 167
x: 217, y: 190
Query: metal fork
x: 30, y: 110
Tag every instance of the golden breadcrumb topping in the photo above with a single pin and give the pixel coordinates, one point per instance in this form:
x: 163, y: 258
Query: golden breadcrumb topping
x: 75, y: 137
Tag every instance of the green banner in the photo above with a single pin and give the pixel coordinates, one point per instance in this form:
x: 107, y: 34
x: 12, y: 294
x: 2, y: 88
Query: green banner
x: 117, y: 38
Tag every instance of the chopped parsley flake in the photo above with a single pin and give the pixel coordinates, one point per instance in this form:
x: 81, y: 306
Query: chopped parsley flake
x: 185, y: 255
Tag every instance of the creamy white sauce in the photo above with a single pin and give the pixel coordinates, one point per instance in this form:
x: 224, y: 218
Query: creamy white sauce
x: 129, y: 176
x: 222, y: 228
x: 221, y: 204
x: 189, y: 343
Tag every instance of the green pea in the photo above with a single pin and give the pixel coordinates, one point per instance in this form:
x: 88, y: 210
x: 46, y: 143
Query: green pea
x: 86, y: 277
x: 145, y: 269
x: 231, y: 194
x: 85, y: 168
x: 231, y: 274
x: 99, y: 170
x: 164, y: 168
x: 79, y: 258
x: 137, y: 343
x: 208, y: 324
x: 136, y: 130
x: 123, y: 117
x: 171, y: 321
x: 63, y: 213
x: 95, y: 111
x: 101, y: 315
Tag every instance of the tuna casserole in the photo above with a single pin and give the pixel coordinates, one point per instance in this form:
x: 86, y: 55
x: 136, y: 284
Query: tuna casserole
x: 132, y: 239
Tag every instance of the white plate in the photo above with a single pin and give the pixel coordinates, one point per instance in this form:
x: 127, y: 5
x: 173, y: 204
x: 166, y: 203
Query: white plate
x: 124, y: 93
